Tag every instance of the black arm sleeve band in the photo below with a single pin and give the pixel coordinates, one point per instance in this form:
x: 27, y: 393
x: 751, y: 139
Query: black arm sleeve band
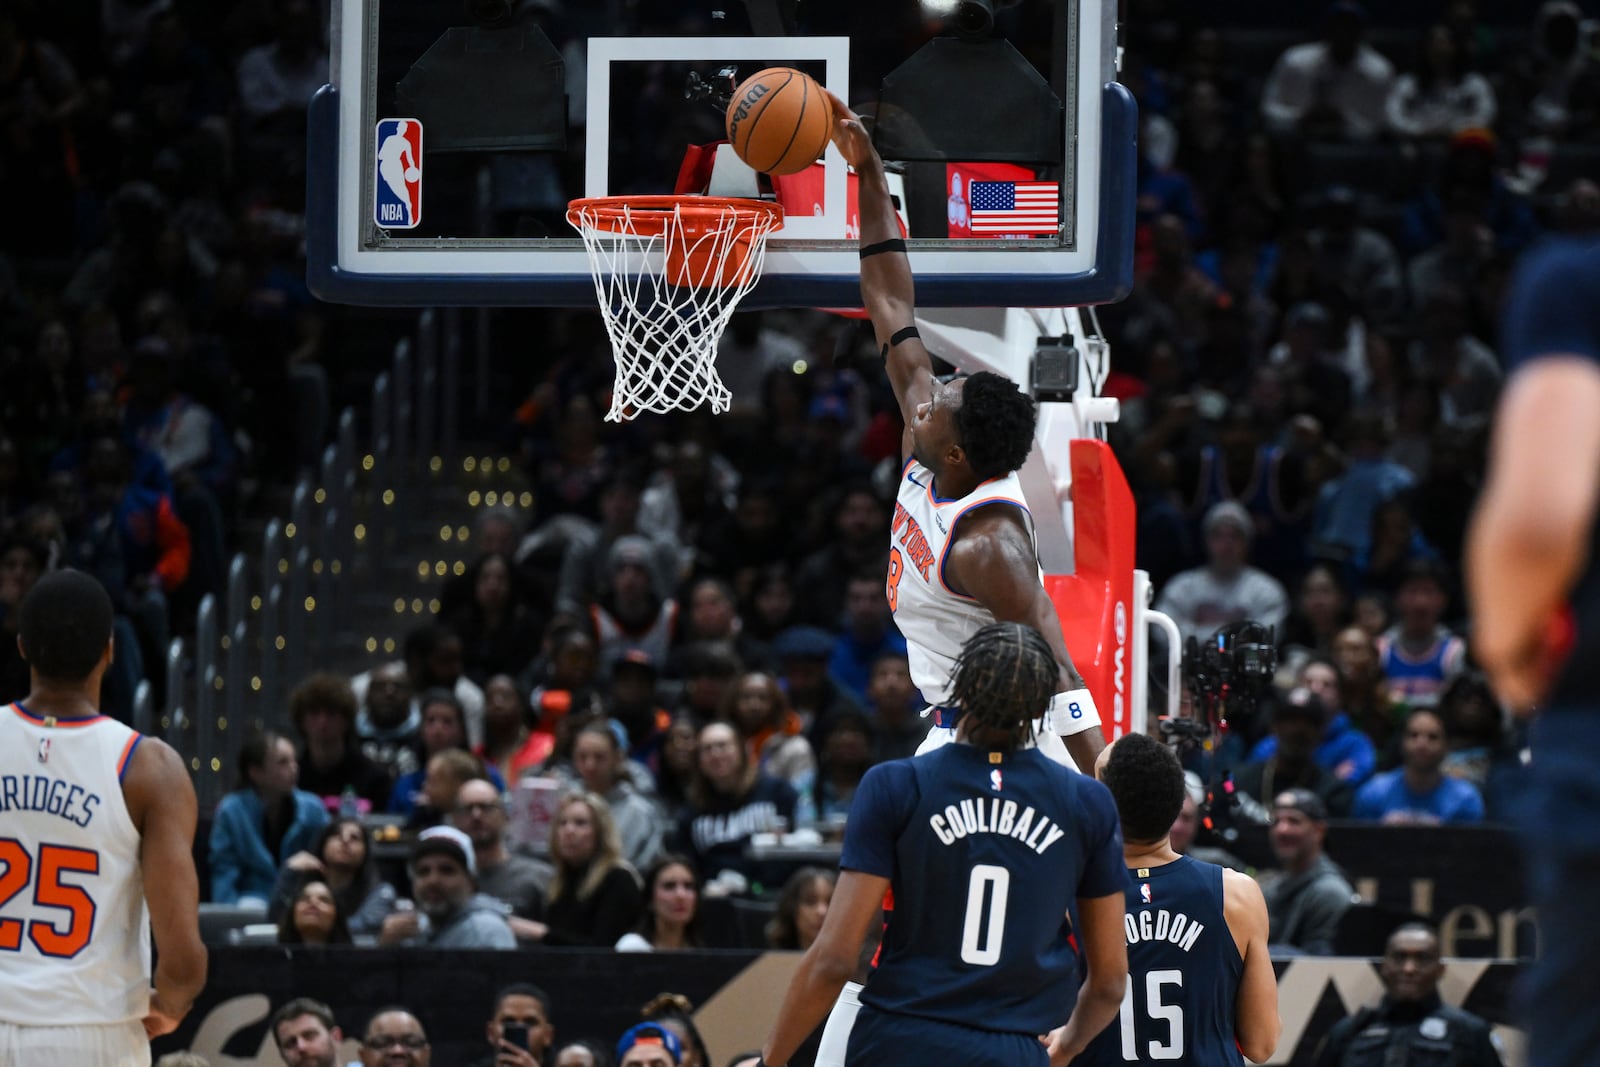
x: 897, y: 337
x: 892, y: 245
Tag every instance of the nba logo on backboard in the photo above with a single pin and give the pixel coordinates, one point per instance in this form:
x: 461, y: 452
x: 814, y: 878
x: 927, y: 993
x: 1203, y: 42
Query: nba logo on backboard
x: 397, y: 193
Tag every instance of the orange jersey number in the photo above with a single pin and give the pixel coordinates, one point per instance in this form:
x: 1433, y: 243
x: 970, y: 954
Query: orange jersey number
x: 64, y: 937
x: 897, y: 567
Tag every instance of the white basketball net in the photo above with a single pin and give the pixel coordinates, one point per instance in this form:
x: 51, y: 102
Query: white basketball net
x: 668, y: 278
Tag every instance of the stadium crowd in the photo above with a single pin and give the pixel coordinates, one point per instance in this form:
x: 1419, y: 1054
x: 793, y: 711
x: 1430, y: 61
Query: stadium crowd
x: 687, y: 635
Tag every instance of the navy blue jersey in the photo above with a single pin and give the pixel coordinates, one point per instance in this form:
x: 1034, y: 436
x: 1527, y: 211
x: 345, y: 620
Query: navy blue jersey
x: 1184, y: 970
x: 1553, y: 309
x: 985, y: 854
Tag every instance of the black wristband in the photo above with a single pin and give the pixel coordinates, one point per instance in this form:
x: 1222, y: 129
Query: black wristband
x: 894, y: 244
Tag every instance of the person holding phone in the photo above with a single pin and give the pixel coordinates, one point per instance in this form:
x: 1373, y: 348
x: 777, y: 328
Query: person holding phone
x: 519, y: 1030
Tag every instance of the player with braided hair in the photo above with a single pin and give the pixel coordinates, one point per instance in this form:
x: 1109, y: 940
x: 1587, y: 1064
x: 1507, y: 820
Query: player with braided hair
x: 992, y: 853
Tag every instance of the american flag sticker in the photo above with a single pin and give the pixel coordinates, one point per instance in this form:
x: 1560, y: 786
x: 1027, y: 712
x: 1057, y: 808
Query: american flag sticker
x: 1008, y: 208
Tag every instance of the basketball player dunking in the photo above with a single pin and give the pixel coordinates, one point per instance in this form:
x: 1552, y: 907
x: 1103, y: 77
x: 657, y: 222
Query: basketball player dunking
x: 962, y: 550
x: 988, y: 847
x: 97, y: 849
x: 1200, y: 985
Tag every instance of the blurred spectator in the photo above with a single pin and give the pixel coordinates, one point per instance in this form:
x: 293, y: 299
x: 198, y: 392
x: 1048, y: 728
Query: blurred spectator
x: 709, y: 670
x: 1471, y: 167
x: 1480, y: 753
x: 675, y: 1012
x: 1308, y: 897
x: 283, y: 75
x: 679, y: 758
x: 1289, y: 762
x: 730, y: 800
x: 443, y: 729
x: 443, y: 777
x: 1343, y: 524
x: 510, y: 746
x: 869, y: 632
x: 594, y: 894
x: 1226, y: 590
x: 1419, y: 655
x: 1466, y: 368
x: 583, y: 1053
x: 1366, y: 690
x: 1443, y: 95
x: 893, y: 706
x: 21, y: 564
x: 671, y: 917
x: 1553, y: 87
x: 1356, y: 257
x: 802, y: 906
x: 602, y: 768
x: 752, y: 537
x: 432, y: 658
x: 305, y: 1034
x: 634, y: 705
x: 496, y: 532
x: 518, y: 882
x: 858, y: 545
x: 688, y: 496
x: 313, y: 917
x: 562, y: 684
x: 1322, y: 609
x: 499, y: 633
x: 521, y: 1005
x: 388, y: 723
x: 1334, y: 87
x: 395, y: 1036
x: 649, y: 1045
x: 771, y: 603
x: 846, y: 754
x: 714, y: 616
x: 450, y: 913
x: 263, y: 822
x: 1419, y: 793
x: 632, y: 612
x: 1461, y: 258
x: 323, y: 710
x: 803, y: 653
x: 40, y: 95
x: 773, y: 737
x: 341, y: 858
x: 1396, y: 546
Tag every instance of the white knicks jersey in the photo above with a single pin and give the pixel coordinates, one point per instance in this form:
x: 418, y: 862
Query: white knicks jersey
x: 935, y: 620
x: 74, y: 930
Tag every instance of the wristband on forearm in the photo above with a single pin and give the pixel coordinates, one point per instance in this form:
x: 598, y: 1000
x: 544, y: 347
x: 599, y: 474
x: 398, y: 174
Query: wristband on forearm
x: 1073, y: 712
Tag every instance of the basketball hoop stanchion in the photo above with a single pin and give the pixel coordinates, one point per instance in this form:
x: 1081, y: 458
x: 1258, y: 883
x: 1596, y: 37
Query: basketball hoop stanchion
x: 669, y: 272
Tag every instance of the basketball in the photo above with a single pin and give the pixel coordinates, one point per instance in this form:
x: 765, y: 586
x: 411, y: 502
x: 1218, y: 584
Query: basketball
x: 412, y: 174
x: 779, y: 120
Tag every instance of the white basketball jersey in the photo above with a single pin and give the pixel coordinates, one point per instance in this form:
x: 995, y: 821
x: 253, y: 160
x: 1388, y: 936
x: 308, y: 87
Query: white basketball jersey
x: 935, y: 620
x: 73, y: 923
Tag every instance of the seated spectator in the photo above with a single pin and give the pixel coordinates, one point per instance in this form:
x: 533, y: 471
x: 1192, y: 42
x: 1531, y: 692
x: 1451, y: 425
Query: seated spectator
x: 803, y: 653
x: 1334, y: 87
x: 581, y: 1054
x: 450, y: 912
x: 1322, y: 609
x: 519, y: 1030
x: 634, y: 705
x: 1308, y: 897
x: 341, y: 858
x: 496, y: 532
x: 1419, y: 793
x: 633, y: 612
x: 1443, y: 95
x: 594, y: 894
x: 679, y: 757
x: 1554, y: 85
x: 1396, y: 544
x: 649, y: 1045
x: 446, y: 773
x: 585, y: 571
x: 868, y: 633
x: 1343, y: 750
x: 305, y: 1034
x: 499, y: 633
x: 323, y: 710
x: 263, y: 822
x: 802, y: 905
x: 1359, y: 259
x: 714, y: 616
x: 518, y: 882
x: 443, y: 729
x: 1290, y: 760
x: 603, y: 769
x: 729, y: 800
x: 759, y: 710
x: 857, y: 546
x: 708, y: 669
x: 510, y: 745
x: 675, y: 1013
x: 21, y: 564
x: 893, y: 706
x: 1467, y: 370
x: 771, y: 602
x: 388, y: 723
x: 1419, y: 655
x: 563, y: 683
x: 846, y: 755
x: 671, y: 917
x: 390, y: 1031
x: 313, y: 917
x: 432, y: 658
x: 1343, y: 524
x: 1226, y: 590
x: 1475, y: 729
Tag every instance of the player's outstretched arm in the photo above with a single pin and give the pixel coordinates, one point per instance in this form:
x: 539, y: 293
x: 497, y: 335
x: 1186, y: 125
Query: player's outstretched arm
x: 1105, y: 952
x: 1530, y: 536
x: 888, y: 290
x: 993, y: 562
x: 1256, y: 1024
x: 827, y: 965
x: 162, y: 804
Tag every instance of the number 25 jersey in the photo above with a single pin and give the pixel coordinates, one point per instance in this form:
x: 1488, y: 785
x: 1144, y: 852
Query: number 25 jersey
x: 985, y: 860
x: 74, y: 929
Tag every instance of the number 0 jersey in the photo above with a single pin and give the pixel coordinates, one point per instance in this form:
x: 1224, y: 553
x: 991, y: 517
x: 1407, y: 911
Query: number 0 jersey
x: 1184, y: 971
x: 74, y: 930
x: 934, y: 619
x: 984, y: 860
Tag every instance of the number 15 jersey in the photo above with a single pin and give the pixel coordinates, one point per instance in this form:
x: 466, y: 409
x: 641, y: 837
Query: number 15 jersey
x: 985, y: 855
x: 74, y: 929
